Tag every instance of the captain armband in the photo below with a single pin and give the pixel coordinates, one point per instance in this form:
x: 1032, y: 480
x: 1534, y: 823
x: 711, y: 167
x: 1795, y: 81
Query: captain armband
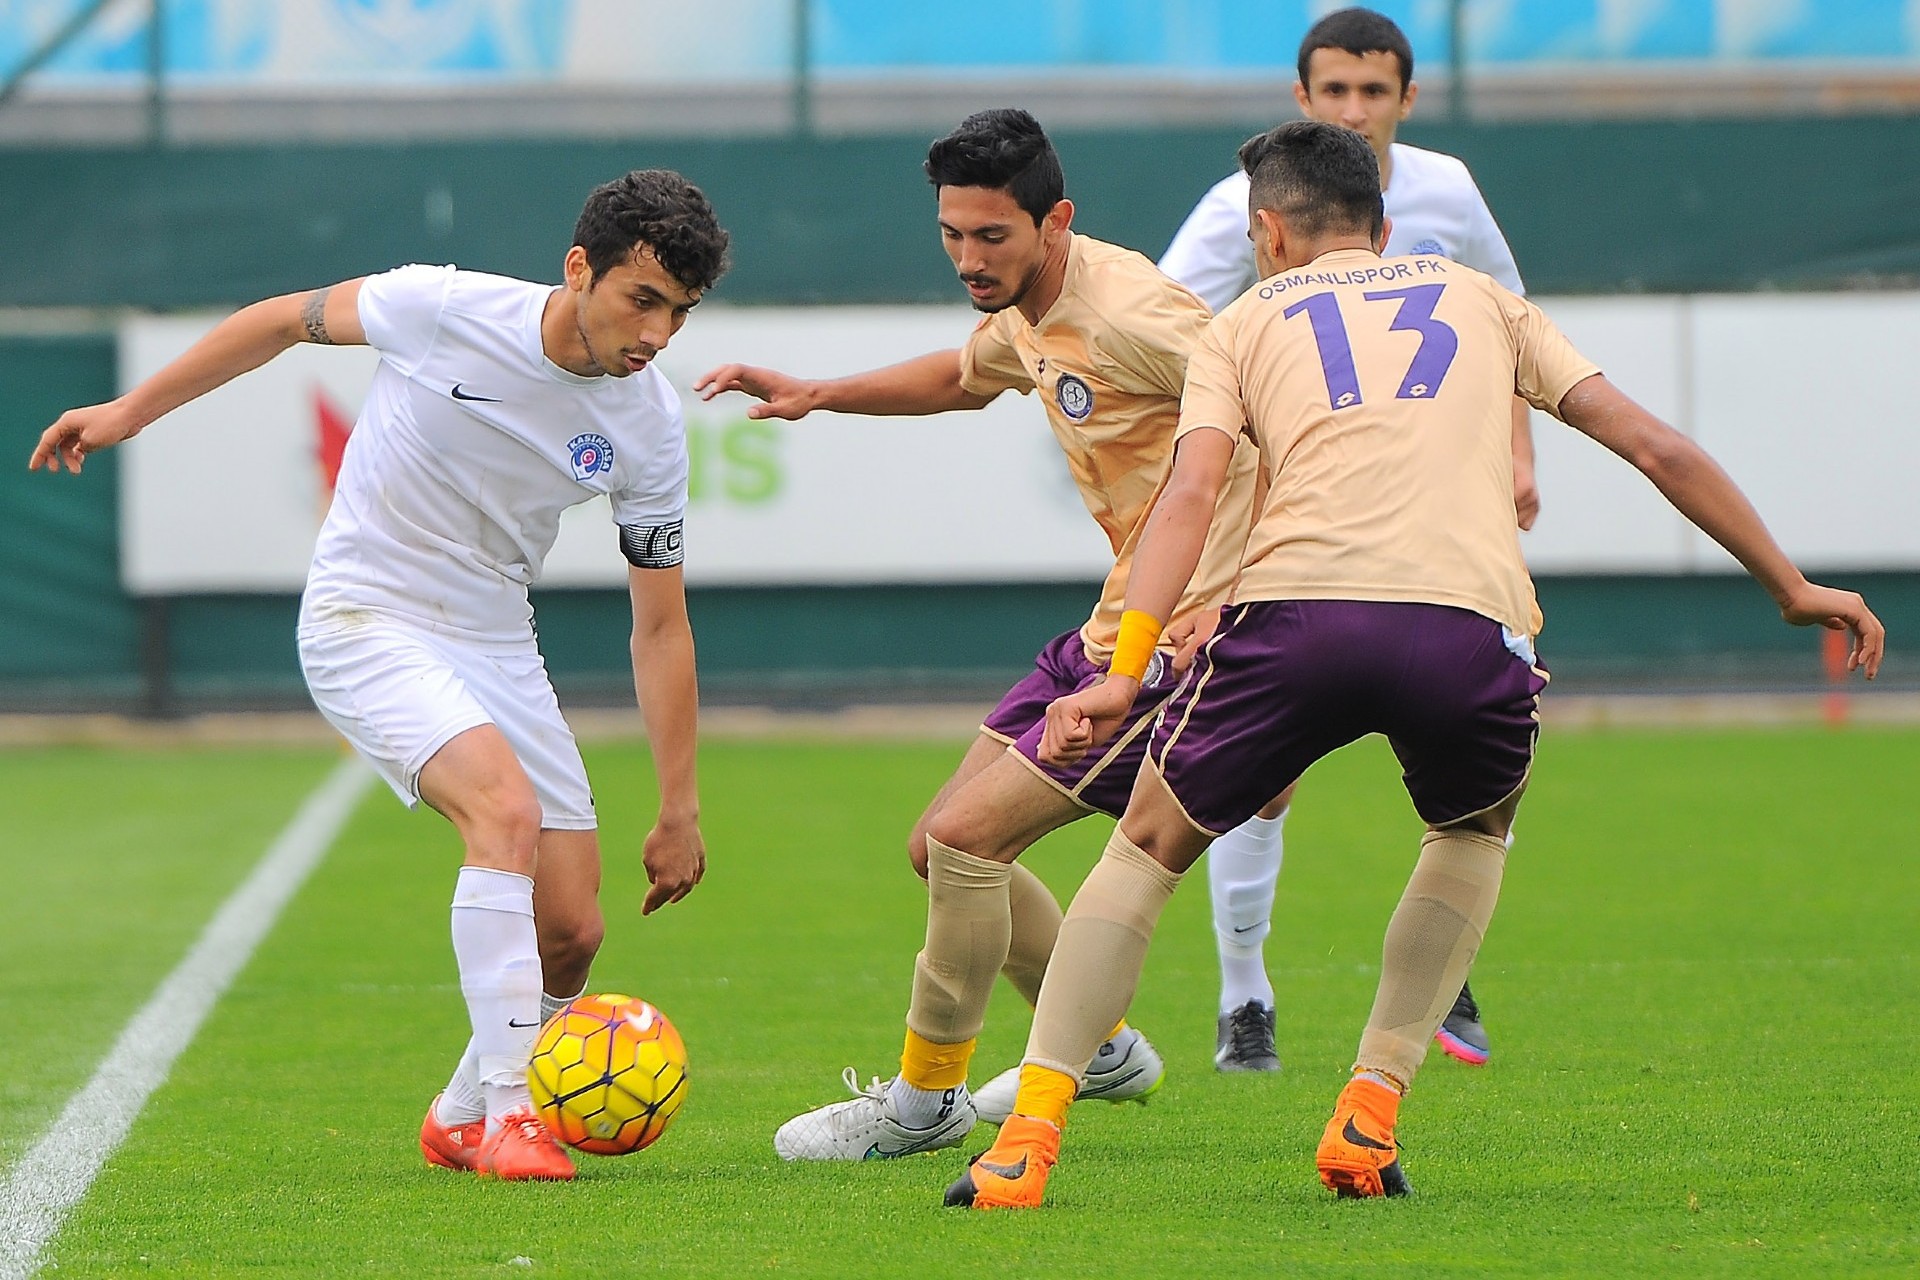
x: 1139, y: 635
x: 653, y: 546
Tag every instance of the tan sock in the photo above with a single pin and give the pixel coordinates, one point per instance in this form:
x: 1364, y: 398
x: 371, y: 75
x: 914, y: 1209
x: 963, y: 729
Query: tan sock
x: 1431, y: 941
x: 1036, y: 923
x: 1096, y: 966
x: 968, y: 924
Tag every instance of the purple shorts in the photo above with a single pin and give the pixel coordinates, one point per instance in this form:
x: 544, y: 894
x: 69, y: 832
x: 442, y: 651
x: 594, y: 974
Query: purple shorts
x: 1103, y: 780
x: 1284, y: 682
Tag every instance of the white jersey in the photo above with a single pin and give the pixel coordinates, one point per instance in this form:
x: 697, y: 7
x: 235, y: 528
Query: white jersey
x: 470, y: 446
x: 1432, y: 201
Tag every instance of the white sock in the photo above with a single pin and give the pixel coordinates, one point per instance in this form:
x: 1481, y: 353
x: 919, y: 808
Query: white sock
x: 923, y: 1108
x: 1379, y: 1078
x: 499, y: 958
x: 461, y: 1101
x: 550, y: 1005
x: 1242, y: 869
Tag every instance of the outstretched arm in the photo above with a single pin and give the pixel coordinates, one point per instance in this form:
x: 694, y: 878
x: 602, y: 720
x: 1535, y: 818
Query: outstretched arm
x: 663, y: 680
x: 925, y: 384
x: 1706, y: 495
x: 245, y: 340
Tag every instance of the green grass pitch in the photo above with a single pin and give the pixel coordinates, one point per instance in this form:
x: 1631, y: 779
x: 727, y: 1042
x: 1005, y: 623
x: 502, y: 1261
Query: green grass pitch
x: 1701, y: 986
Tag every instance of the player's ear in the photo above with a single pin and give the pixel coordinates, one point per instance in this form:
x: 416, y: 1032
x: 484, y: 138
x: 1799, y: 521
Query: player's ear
x: 1406, y: 99
x: 1060, y: 217
x: 1386, y: 234
x: 1301, y: 96
x: 1272, y: 233
x: 579, y: 275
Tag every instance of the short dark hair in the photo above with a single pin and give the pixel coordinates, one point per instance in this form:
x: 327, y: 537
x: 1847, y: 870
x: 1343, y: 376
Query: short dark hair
x: 1004, y: 149
x: 1321, y: 178
x: 661, y: 210
x: 1358, y: 32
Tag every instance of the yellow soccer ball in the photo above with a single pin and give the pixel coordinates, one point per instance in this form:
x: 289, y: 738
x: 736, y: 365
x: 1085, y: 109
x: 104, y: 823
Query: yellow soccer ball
x: 609, y: 1074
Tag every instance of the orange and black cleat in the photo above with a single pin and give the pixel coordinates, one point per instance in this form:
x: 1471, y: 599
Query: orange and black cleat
x: 1358, y: 1156
x: 451, y: 1146
x: 1012, y: 1173
x: 522, y: 1150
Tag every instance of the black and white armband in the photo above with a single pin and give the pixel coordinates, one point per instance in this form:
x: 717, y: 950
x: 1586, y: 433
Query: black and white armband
x: 652, y: 546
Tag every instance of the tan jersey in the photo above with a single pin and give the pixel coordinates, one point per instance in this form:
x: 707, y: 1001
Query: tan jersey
x: 1380, y: 394
x: 1109, y: 359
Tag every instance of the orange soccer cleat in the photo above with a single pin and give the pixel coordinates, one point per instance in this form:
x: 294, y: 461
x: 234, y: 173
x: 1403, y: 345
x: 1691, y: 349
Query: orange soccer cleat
x: 521, y: 1150
x: 451, y: 1146
x: 1358, y: 1156
x: 1012, y: 1173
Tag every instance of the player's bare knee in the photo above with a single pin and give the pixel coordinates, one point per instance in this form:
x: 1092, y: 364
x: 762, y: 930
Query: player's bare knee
x: 501, y: 827
x: 969, y: 835
x: 1495, y: 821
x: 917, y: 850
x: 568, y: 947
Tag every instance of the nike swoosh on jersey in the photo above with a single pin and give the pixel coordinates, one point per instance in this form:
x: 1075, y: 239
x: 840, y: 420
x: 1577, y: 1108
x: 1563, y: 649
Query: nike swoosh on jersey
x: 458, y: 394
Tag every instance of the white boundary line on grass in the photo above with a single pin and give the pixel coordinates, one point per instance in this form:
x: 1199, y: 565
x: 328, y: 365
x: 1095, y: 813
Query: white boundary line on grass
x: 56, y: 1172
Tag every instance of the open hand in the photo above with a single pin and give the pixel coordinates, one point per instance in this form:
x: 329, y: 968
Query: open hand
x: 784, y: 396
x: 1815, y: 605
x: 79, y: 432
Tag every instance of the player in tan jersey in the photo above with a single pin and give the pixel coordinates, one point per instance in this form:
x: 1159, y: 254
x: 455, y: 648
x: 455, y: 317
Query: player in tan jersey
x: 1103, y: 337
x: 1383, y: 592
x: 1109, y: 359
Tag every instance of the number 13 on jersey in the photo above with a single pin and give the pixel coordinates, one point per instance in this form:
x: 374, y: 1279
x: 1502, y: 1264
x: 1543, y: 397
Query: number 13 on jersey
x: 1438, y: 342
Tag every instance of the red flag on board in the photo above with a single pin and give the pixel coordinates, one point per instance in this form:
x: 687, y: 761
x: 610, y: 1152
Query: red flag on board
x: 332, y: 428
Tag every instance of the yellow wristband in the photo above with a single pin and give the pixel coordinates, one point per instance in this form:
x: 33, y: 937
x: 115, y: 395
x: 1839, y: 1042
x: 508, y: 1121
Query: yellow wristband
x: 1139, y: 636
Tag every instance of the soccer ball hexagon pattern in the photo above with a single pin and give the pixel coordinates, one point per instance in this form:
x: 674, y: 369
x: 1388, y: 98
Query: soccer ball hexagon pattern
x: 609, y: 1074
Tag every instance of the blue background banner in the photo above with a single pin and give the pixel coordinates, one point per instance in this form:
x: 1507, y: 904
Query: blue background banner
x: 265, y: 42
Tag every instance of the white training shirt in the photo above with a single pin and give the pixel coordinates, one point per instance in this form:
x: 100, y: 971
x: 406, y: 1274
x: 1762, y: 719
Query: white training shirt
x: 470, y: 445
x: 1432, y: 200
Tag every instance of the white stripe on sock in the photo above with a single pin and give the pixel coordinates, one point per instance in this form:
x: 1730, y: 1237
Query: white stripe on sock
x: 56, y: 1172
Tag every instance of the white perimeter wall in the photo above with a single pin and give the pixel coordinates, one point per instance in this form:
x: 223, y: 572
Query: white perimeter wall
x: 1805, y: 399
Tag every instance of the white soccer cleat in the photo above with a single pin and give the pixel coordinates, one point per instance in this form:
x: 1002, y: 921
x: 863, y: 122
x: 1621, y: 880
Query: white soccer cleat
x: 866, y: 1128
x: 1125, y: 1069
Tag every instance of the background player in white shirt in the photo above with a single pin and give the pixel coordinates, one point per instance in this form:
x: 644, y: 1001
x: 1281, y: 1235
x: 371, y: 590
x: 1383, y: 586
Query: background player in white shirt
x: 496, y: 405
x: 1356, y: 70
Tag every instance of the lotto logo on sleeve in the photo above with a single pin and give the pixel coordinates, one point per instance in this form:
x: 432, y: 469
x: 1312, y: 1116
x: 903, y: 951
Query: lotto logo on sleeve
x: 591, y: 455
x: 1076, y: 399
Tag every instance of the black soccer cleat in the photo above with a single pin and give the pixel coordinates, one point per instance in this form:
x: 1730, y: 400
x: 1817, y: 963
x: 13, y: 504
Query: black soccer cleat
x: 1461, y: 1035
x: 1245, y: 1040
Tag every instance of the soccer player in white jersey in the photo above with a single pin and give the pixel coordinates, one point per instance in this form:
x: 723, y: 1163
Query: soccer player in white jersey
x: 1356, y: 70
x: 497, y: 404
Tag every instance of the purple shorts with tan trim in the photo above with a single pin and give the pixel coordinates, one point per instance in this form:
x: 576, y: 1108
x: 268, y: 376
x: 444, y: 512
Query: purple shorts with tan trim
x: 1103, y: 780
x: 1284, y: 682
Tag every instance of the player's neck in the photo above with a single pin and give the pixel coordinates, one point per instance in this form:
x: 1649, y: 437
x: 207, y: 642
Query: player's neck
x: 1039, y: 299
x: 560, y: 339
x: 1306, y: 254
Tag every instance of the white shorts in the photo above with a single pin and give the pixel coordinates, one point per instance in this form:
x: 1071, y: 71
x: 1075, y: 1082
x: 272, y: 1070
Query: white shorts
x: 398, y: 694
